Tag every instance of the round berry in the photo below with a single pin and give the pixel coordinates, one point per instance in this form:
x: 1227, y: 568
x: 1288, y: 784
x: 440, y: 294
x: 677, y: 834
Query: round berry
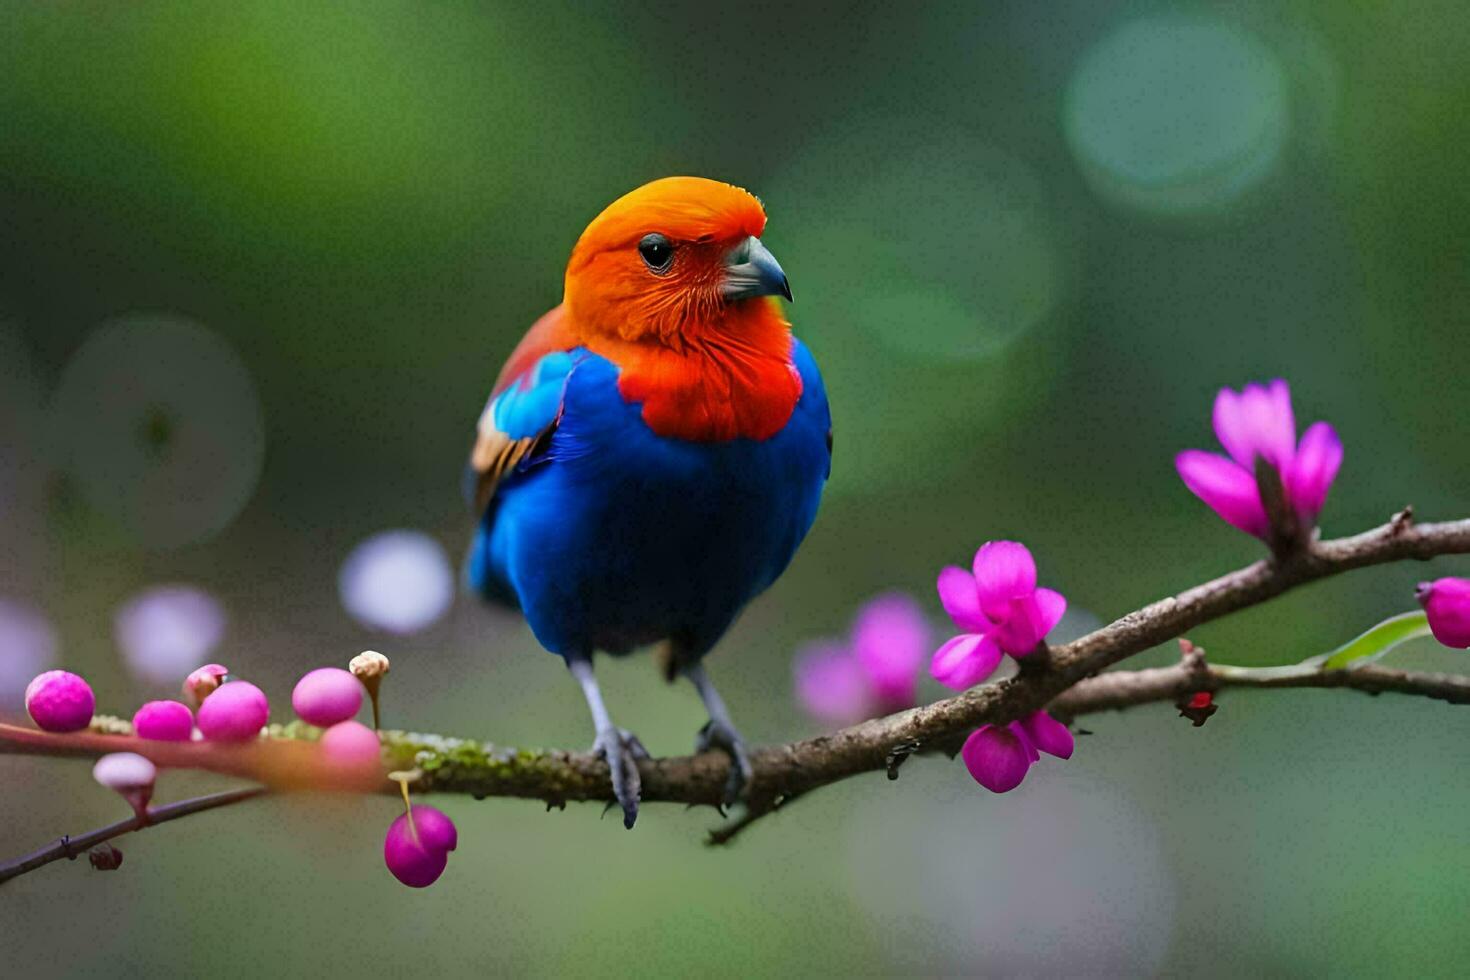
x: 235, y: 712
x: 164, y: 721
x: 326, y: 696
x: 418, y: 861
x: 59, y: 701
x: 352, y: 745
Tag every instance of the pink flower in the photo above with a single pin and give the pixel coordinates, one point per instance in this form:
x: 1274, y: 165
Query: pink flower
x: 59, y: 701
x: 874, y: 673
x: 1000, y: 609
x: 417, y: 846
x: 998, y: 756
x: 326, y: 696
x: 1258, y: 423
x: 235, y: 712
x: 1447, y: 604
x: 164, y: 721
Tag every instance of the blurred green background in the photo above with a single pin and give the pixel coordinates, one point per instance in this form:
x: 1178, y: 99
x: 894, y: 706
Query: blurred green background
x: 1027, y: 242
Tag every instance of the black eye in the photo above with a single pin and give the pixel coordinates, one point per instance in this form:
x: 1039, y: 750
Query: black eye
x: 657, y: 252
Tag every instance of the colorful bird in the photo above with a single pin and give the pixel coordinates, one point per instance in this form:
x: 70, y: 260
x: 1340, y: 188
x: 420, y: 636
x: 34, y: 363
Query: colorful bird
x: 653, y: 452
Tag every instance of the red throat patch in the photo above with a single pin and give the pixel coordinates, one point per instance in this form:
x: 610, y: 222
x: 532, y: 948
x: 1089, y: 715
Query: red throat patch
x: 731, y: 380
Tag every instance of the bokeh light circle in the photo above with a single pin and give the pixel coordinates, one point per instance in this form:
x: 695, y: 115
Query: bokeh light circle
x: 1177, y: 114
x: 399, y: 581
x: 167, y: 631
x: 1064, y: 876
x: 159, y: 423
x: 935, y: 241
x: 28, y: 646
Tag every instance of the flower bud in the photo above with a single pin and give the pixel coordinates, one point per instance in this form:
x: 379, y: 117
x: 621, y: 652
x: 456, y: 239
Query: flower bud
x: 235, y: 712
x: 370, y: 667
x: 203, y: 682
x: 326, y: 696
x: 129, y: 775
x: 59, y: 701
x: 164, y: 721
x: 1446, y: 602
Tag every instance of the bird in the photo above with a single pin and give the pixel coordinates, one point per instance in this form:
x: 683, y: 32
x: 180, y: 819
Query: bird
x: 652, y: 452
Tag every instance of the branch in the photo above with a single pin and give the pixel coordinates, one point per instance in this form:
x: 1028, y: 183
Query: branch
x: 1127, y: 689
x: 71, y: 847
x: 783, y: 772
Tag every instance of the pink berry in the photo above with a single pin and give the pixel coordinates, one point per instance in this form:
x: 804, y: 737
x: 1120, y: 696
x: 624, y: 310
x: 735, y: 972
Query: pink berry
x: 436, y: 831
x: 418, y: 862
x: 235, y: 712
x: 326, y: 696
x: 59, y: 701
x: 351, y: 744
x: 164, y: 721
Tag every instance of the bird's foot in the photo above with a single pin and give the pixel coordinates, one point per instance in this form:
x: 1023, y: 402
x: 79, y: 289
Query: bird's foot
x: 723, y: 736
x: 622, y: 750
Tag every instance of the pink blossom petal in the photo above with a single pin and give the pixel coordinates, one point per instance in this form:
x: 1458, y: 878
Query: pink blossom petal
x: 831, y: 685
x: 996, y: 758
x: 1018, y: 730
x: 1049, y: 735
x: 890, y: 638
x: 1228, y: 489
x: 1004, y: 570
x: 958, y: 595
x: 1052, y: 606
x: 1256, y: 422
x: 965, y: 661
x: 1016, y: 632
x: 1028, y: 621
x: 1447, y: 604
x: 1310, y: 474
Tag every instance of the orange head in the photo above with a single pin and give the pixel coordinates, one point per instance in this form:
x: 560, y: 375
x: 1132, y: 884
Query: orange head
x: 669, y: 261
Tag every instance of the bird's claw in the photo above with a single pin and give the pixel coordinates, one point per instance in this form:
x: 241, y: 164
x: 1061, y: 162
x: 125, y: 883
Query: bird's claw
x: 716, y: 735
x: 622, y: 750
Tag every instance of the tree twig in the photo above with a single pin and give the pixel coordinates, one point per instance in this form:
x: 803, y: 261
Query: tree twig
x: 796, y: 768
x: 72, y: 847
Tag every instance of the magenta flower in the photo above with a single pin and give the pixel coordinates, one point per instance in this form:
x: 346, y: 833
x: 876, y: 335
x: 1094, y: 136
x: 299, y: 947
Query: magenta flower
x: 999, y: 756
x: 1258, y: 423
x: 417, y: 846
x: 1000, y: 609
x: 874, y: 673
x: 235, y: 712
x: 60, y: 701
x: 1446, y: 602
x: 327, y: 695
x: 164, y: 721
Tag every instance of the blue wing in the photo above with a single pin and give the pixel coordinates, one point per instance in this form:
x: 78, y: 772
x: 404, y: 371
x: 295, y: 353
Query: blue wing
x: 513, y: 435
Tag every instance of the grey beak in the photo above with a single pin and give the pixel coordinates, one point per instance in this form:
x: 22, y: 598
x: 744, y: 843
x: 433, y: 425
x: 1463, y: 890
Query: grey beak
x: 751, y: 270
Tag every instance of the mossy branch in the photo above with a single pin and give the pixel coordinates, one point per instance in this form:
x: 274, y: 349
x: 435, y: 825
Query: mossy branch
x: 1061, y: 676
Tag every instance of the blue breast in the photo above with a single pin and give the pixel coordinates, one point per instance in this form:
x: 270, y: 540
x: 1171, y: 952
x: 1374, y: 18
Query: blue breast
x: 616, y: 537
